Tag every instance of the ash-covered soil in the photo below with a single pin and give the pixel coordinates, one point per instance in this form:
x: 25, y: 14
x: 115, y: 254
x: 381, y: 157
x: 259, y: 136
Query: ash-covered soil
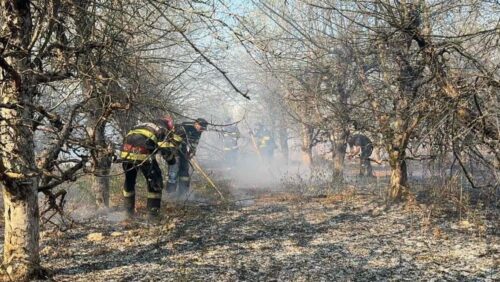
x: 279, y: 237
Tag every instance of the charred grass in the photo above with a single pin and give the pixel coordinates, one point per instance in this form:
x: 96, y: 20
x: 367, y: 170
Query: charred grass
x: 307, y: 230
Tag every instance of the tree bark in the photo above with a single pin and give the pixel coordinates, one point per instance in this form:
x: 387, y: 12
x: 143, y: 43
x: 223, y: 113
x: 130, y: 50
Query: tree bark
x: 338, y: 159
x: 283, y: 141
x: 18, y: 175
x: 338, y: 153
x: 101, y: 164
x: 306, y: 147
x: 97, y: 91
x: 21, y: 254
x: 398, y: 187
x: 21, y: 243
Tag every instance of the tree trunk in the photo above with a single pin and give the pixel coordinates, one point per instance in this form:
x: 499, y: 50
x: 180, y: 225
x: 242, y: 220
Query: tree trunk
x: 17, y: 171
x: 21, y: 258
x: 283, y: 141
x: 399, y: 180
x: 338, y: 158
x: 101, y: 162
x: 94, y: 89
x: 338, y: 153
x: 306, y: 147
x: 100, y: 183
x: 398, y: 187
x: 21, y: 254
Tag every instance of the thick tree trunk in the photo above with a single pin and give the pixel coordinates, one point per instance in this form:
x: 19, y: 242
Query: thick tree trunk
x: 21, y: 255
x: 21, y: 258
x: 399, y: 180
x: 306, y: 147
x: 398, y: 187
x: 100, y: 183
x: 338, y: 153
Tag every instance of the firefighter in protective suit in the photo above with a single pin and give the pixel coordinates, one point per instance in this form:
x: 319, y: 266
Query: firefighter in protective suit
x: 265, y: 141
x: 230, y: 136
x: 360, y: 143
x: 138, y: 153
x: 178, y: 174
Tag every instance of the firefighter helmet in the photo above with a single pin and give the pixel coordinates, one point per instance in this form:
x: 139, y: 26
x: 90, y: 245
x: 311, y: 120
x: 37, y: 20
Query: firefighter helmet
x: 169, y: 121
x: 202, y: 122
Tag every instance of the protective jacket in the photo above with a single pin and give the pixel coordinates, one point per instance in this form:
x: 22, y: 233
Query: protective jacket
x: 264, y: 139
x: 265, y: 142
x: 190, y: 138
x: 138, y: 150
x: 231, y: 135
x: 363, y: 142
x: 179, y: 174
x: 360, y: 140
x: 146, y: 139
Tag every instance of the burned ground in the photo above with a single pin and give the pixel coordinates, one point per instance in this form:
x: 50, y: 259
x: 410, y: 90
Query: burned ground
x: 288, y: 233
x: 278, y: 237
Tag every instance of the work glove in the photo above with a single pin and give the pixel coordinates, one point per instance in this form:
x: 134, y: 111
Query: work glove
x: 190, y: 154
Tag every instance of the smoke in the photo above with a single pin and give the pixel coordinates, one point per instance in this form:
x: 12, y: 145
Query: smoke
x: 253, y: 171
x: 247, y: 167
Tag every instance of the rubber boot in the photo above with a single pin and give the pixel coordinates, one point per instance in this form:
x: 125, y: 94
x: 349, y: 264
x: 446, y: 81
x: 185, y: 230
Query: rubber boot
x: 183, y: 188
x: 172, y: 178
x: 171, y: 187
x: 129, y: 205
x: 153, y: 207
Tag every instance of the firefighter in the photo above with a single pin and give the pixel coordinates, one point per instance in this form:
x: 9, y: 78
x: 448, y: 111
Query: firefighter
x: 230, y: 135
x: 178, y: 175
x: 138, y: 153
x: 360, y: 143
x: 265, y: 141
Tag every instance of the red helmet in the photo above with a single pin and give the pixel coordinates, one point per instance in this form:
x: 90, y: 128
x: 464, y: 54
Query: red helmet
x: 169, y: 121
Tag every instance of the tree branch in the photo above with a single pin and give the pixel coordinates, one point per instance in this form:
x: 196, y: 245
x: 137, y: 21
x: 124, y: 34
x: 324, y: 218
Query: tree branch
x: 197, y: 50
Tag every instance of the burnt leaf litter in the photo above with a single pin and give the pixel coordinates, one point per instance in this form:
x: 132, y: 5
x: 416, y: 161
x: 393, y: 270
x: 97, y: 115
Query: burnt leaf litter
x: 279, y: 235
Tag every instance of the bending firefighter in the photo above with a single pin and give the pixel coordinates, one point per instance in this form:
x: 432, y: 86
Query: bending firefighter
x: 360, y: 143
x: 178, y: 174
x: 138, y: 153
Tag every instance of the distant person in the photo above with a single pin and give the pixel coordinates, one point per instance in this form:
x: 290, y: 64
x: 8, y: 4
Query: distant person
x: 178, y: 175
x: 230, y: 136
x: 265, y: 141
x: 138, y: 153
x: 359, y: 143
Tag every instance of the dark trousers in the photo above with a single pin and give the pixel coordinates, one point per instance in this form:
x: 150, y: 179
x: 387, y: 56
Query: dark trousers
x: 184, y: 179
x: 267, y: 152
x: 365, y: 166
x: 152, y: 172
x: 178, y: 175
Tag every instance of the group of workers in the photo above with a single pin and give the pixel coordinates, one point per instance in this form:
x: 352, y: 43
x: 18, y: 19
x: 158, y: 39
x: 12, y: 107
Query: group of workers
x: 262, y: 143
x: 360, y: 146
x: 177, y: 143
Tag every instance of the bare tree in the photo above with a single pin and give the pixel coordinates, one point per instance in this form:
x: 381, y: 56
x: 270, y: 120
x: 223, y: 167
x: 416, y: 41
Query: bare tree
x: 392, y: 66
x: 41, y: 60
x: 17, y: 168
